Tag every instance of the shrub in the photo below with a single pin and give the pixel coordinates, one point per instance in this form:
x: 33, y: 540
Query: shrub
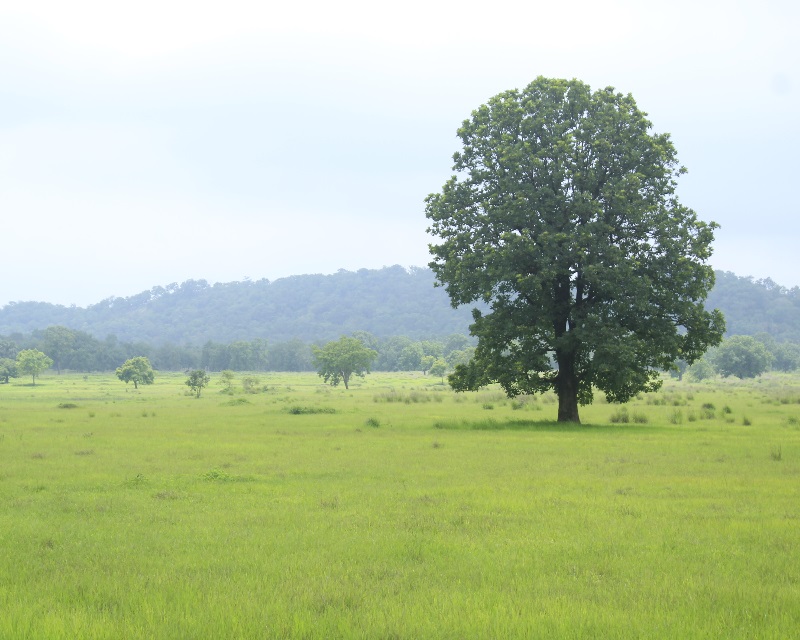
x: 250, y: 384
x: 620, y: 416
x: 298, y: 410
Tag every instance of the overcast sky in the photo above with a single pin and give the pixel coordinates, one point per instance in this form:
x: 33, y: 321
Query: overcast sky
x: 150, y: 142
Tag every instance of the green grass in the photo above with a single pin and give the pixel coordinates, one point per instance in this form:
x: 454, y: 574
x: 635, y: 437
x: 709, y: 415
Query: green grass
x: 396, y: 509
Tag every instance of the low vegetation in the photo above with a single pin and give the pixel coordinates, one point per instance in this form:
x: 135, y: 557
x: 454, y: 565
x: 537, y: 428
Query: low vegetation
x: 303, y: 511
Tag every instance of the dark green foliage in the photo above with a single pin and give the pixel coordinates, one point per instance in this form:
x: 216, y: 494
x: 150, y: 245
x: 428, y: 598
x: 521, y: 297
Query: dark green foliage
x: 563, y: 218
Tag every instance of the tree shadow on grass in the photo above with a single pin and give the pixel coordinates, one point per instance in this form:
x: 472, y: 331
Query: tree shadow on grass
x: 491, y: 424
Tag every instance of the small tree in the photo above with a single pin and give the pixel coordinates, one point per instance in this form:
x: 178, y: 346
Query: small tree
x: 31, y: 362
x: 250, y: 384
x: 743, y: 357
x: 426, y: 363
x: 227, y: 379
x: 197, y: 380
x: 701, y: 370
x: 8, y: 369
x: 439, y: 368
x: 338, y: 361
x: 137, y: 370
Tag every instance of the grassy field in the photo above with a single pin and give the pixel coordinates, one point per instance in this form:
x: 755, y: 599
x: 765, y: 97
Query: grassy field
x: 397, y: 509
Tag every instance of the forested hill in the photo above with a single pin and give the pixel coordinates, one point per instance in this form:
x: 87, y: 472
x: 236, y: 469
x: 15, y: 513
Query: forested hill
x: 386, y: 302
x: 757, y: 306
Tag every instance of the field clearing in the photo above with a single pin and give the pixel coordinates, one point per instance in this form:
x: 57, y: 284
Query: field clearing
x: 396, y: 509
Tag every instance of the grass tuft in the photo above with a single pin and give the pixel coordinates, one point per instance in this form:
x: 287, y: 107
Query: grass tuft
x: 298, y: 410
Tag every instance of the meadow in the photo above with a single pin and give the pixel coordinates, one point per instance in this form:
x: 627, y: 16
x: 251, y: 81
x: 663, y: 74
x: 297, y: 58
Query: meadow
x: 397, y: 509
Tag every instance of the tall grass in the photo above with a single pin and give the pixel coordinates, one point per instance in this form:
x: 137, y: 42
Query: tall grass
x: 153, y: 514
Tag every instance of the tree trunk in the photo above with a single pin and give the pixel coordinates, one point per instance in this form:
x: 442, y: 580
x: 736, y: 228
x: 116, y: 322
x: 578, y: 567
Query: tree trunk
x: 567, y: 389
x: 568, y: 402
x: 566, y: 380
x: 345, y: 379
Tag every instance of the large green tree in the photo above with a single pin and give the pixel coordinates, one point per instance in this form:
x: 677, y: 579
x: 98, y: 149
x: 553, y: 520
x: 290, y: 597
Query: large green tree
x: 137, y: 370
x: 742, y: 356
x: 562, y: 216
x: 31, y: 362
x: 338, y: 361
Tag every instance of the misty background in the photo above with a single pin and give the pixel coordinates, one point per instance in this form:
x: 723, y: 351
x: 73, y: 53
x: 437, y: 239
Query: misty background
x: 147, y: 144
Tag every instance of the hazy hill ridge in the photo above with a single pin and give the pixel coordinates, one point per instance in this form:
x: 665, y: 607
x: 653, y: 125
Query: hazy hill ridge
x: 386, y: 302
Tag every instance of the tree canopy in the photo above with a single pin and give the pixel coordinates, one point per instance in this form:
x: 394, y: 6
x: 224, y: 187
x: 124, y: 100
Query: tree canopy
x: 31, y: 362
x: 741, y: 356
x: 137, y: 370
x: 338, y: 361
x: 197, y: 380
x: 563, y: 218
x: 8, y: 369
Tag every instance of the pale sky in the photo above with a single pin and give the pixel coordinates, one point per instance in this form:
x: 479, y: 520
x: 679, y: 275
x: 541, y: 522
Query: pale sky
x: 150, y: 142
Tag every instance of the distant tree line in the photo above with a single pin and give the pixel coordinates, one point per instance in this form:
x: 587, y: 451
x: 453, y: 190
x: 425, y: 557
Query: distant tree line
x: 744, y: 357
x: 392, y: 301
x: 75, y: 350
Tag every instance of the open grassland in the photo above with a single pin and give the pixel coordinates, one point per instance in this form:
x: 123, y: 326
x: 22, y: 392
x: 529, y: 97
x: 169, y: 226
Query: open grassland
x: 397, y: 509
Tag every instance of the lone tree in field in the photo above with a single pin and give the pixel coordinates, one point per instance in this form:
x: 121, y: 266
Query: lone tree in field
x: 197, y: 380
x: 31, y: 362
x: 137, y: 370
x: 338, y: 361
x: 563, y: 219
x: 742, y: 356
